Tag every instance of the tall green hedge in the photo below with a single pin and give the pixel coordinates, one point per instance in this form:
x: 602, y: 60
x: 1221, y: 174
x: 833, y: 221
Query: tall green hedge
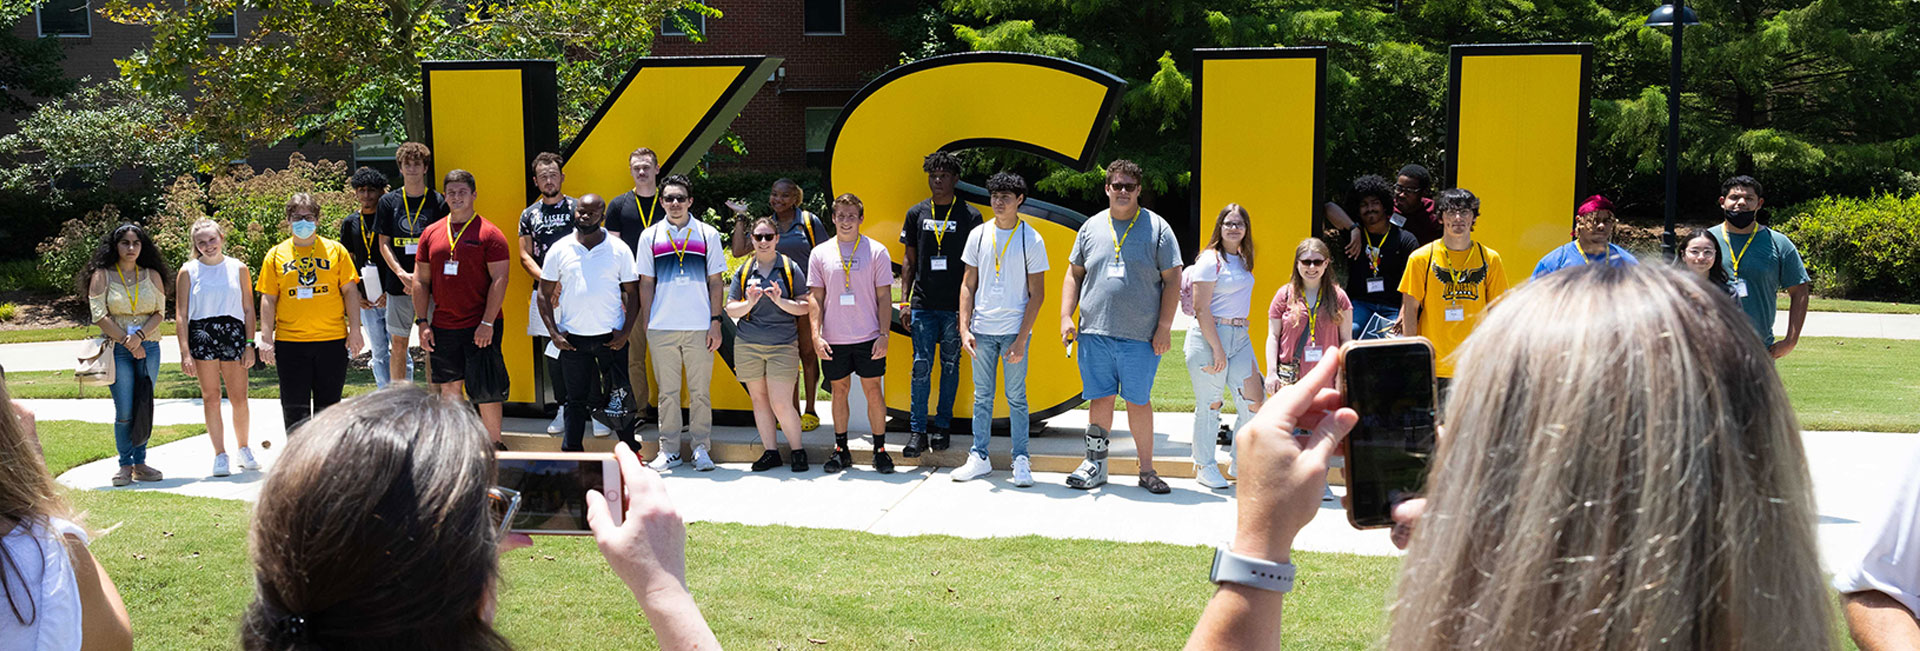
x: 1860, y: 248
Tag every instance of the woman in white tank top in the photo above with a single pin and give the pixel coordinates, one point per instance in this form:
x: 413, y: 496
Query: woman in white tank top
x: 215, y: 307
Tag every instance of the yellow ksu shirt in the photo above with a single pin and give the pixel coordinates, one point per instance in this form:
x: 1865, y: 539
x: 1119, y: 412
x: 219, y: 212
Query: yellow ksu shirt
x: 309, y: 281
x: 1447, y: 280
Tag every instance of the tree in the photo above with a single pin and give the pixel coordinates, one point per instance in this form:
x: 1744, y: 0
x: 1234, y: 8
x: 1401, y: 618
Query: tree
x: 335, y: 69
x: 84, y: 139
x: 29, y: 68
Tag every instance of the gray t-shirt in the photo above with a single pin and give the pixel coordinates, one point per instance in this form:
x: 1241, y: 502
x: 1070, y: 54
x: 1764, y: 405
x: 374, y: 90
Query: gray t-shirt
x: 765, y: 324
x: 1126, y: 305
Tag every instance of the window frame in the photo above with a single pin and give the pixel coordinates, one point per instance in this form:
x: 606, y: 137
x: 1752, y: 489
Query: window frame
x: 41, y: 29
x: 236, y: 28
x: 669, y: 23
x: 843, y: 20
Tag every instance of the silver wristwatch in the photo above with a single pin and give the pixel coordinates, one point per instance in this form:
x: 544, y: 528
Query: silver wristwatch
x: 1229, y: 567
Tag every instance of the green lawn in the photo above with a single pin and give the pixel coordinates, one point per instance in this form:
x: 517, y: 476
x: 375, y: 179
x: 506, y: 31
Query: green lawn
x: 1818, y: 304
x: 263, y: 382
x: 70, y: 443
x: 62, y: 334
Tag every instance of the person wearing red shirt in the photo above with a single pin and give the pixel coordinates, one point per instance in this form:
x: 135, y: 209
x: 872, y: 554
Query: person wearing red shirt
x: 460, y: 290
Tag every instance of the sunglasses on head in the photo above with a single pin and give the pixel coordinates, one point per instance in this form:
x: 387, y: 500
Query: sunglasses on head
x: 765, y: 237
x: 675, y: 198
x: 1312, y: 262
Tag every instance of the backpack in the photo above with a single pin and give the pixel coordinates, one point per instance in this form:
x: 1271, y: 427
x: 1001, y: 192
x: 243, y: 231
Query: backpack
x: 1186, y: 282
x: 740, y: 280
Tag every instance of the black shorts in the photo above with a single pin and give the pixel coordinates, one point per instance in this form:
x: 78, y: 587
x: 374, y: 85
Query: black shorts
x: 849, y: 359
x: 456, y: 359
x: 220, y: 338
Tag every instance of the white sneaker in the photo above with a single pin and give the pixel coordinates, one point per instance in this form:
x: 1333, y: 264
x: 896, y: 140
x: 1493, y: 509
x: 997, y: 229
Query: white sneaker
x: 701, y: 461
x: 976, y: 467
x: 1208, y: 475
x: 600, y: 430
x: 665, y: 461
x: 559, y: 424
x: 1022, y: 471
x: 246, y: 459
x: 220, y: 465
x: 1233, y: 467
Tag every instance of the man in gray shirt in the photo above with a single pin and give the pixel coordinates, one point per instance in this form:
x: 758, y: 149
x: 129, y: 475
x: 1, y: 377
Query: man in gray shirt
x: 1124, y: 274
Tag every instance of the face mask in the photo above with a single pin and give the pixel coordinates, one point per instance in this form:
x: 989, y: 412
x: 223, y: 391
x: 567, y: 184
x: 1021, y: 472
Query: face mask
x: 303, y: 229
x: 1741, y: 218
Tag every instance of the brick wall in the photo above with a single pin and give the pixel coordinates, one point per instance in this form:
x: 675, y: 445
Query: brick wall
x: 821, y: 71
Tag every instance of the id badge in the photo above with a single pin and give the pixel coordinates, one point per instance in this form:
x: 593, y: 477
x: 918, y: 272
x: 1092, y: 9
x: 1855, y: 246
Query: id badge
x: 1313, y: 354
x: 451, y: 268
x: 997, y: 290
x: 1376, y: 285
x: 1456, y: 314
x: 1398, y: 219
x: 303, y: 293
x: 939, y: 263
x: 846, y: 299
x: 1117, y: 270
x: 682, y: 280
x: 412, y: 248
x: 1739, y: 286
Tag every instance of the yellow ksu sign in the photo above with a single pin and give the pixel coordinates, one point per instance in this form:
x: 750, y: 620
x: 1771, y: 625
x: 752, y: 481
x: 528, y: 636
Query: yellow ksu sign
x: 1518, y: 127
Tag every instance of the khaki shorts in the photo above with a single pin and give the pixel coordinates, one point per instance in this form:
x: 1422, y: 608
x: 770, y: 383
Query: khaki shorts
x: 780, y: 363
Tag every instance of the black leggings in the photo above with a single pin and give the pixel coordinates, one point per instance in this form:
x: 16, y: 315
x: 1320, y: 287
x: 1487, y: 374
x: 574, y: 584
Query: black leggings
x: 312, y: 374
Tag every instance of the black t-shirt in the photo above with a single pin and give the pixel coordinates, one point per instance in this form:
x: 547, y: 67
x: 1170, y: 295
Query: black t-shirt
x: 629, y: 213
x: 403, y: 220
x: 938, y: 235
x: 546, y: 225
x: 357, y: 234
x: 1394, y: 249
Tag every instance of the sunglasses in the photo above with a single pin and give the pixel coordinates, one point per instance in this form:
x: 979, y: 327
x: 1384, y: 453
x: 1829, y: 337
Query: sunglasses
x: 1124, y: 187
x: 1311, y: 262
x: 675, y: 198
x: 505, y: 503
x: 765, y: 237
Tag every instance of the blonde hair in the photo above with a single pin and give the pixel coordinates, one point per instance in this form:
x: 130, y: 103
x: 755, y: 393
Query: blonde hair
x: 1622, y: 471
x: 27, y: 494
x: 1329, y: 304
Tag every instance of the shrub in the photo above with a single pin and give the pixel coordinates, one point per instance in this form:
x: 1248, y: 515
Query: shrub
x: 1860, y: 248
x: 8, y: 311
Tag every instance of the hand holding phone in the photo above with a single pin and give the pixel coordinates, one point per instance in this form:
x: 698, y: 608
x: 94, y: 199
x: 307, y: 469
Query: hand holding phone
x: 552, y: 488
x: 1390, y: 384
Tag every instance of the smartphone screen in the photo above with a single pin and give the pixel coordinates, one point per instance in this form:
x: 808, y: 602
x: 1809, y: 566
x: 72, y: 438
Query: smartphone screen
x: 553, y: 489
x: 1391, y: 387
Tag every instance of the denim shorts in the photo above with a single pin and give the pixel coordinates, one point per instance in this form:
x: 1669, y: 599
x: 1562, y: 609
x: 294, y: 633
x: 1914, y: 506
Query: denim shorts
x: 1113, y: 366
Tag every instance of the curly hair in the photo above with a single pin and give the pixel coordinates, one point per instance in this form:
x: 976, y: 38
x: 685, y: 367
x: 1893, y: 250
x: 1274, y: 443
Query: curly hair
x: 941, y: 161
x: 1007, y: 182
x: 1376, y: 186
x: 367, y: 177
x: 1457, y: 199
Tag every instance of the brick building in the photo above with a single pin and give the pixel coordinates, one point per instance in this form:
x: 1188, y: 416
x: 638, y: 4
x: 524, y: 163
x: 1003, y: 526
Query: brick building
x: 831, y: 49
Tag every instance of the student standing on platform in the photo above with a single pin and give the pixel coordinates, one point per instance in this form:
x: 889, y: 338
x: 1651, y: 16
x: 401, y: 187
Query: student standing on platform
x: 1413, y: 210
x: 1762, y: 262
x: 767, y: 298
x: 1000, y: 299
x: 402, y: 215
x: 682, y: 277
x: 1593, y: 226
x: 800, y: 231
x: 125, y: 286
x: 1125, y: 282
x: 215, y: 302
x: 851, y: 281
x: 628, y: 215
x: 359, y: 233
x: 542, y: 224
x: 935, y: 235
x: 589, y: 320
x: 1373, y: 272
x: 309, y: 301
x: 460, y: 291
x: 1220, y: 354
x: 1450, y: 283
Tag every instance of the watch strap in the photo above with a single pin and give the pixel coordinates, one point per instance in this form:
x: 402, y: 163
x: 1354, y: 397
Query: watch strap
x: 1229, y: 567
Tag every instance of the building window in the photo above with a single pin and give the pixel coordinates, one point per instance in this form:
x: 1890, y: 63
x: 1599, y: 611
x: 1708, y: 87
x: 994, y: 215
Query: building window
x: 227, y: 26
x: 676, y: 23
x: 825, y: 17
x: 65, y: 18
x: 820, y: 125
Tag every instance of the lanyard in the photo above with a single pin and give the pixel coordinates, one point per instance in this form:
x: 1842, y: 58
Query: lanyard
x: 646, y: 216
x: 413, y: 214
x: 1603, y: 256
x: 1373, y: 255
x: 132, y: 288
x: 939, y: 225
x: 1119, y: 238
x: 680, y: 247
x: 367, y: 236
x: 1313, y: 319
x: 1459, y: 273
x: 846, y: 263
x: 1002, y: 255
x: 1743, y: 248
x: 453, y: 251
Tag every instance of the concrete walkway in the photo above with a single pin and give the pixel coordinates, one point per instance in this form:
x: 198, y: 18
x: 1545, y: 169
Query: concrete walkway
x: 1853, y: 472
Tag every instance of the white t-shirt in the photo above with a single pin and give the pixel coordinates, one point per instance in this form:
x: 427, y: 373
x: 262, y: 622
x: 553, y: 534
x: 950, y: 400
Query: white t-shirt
x: 590, y: 282
x: 680, y: 260
x: 1001, y: 261
x: 1232, y: 283
x: 46, y: 578
x: 217, y: 289
x: 1891, y: 562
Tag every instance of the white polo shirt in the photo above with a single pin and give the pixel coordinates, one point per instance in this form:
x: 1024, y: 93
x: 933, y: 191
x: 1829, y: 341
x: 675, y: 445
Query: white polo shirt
x: 590, y: 284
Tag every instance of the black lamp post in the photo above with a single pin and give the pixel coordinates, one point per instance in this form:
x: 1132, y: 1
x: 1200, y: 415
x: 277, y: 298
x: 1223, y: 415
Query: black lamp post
x: 1677, y: 16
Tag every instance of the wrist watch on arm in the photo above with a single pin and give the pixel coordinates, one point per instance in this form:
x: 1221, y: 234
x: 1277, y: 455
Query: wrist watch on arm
x: 1229, y: 567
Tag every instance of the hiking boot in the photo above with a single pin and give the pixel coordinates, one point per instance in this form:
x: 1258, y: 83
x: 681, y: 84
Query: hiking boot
x: 916, y: 443
x: 799, y: 460
x: 1208, y: 475
x: 1151, y: 481
x: 1093, y: 471
x: 768, y: 461
x: 144, y: 472
x: 1022, y: 471
x: 976, y: 467
x: 702, y: 462
x: 839, y: 460
x: 220, y: 465
x: 124, y: 477
x: 246, y: 459
x: 882, y: 462
x: 942, y: 440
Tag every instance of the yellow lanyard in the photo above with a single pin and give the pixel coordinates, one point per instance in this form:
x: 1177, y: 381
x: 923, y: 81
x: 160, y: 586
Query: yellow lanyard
x: 1119, y: 238
x: 680, y: 247
x: 1743, y: 248
x: 646, y: 216
x: 1313, y: 319
x: 1373, y: 253
x: 367, y: 235
x: 846, y: 263
x: 132, y: 288
x: 1458, y: 273
x: 1002, y: 255
x: 453, y: 250
x: 939, y: 225
x: 413, y: 214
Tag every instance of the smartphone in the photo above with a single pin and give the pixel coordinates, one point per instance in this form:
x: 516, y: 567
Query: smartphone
x: 1390, y: 384
x: 553, y: 489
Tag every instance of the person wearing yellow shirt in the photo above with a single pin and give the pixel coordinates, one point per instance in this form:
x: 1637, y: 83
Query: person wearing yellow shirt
x: 1450, y: 282
x: 308, y: 330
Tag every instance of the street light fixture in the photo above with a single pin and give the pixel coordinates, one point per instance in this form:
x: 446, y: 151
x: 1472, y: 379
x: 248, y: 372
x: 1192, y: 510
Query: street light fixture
x: 1665, y: 17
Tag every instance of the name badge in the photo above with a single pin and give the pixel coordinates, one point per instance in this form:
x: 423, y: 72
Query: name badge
x: 1456, y: 314
x: 1117, y: 269
x: 682, y: 280
x: 997, y: 290
x: 303, y: 293
x: 846, y: 299
x: 1376, y: 285
x: 412, y: 249
x: 1739, y: 286
x: 451, y: 268
x: 939, y: 263
x: 1398, y: 219
x: 1313, y: 354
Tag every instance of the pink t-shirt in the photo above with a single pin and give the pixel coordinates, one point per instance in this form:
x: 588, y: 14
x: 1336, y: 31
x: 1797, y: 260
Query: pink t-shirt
x: 871, y: 268
x: 1293, y: 316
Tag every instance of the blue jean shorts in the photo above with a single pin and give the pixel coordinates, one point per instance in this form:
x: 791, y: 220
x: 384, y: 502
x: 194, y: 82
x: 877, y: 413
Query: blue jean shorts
x: 1113, y: 366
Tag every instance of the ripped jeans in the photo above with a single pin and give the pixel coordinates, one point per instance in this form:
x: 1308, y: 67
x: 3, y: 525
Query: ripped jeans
x: 1208, y: 388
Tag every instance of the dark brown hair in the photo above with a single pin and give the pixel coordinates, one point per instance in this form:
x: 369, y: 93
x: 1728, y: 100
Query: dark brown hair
x: 460, y: 176
x: 374, y: 530
x: 548, y: 158
x: 1127, y: 167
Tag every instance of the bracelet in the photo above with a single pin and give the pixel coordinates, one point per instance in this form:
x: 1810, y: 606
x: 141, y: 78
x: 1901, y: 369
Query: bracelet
x: 715, y: 318
x: 419, y: 321
x: 486, y: 323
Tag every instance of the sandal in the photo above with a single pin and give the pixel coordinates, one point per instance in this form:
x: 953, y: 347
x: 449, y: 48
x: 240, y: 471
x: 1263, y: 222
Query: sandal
x: 1151, y: 481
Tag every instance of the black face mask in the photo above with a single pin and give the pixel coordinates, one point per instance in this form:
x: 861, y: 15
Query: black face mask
x: 1741, y: 218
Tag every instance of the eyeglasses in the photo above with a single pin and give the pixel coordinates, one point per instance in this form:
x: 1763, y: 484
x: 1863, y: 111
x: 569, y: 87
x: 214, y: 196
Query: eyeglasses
x: 1402, y: 189
x: 1233, y: 225
x: 505, y: 503
x: 675, y: 198
x: 306, y: 218
x: 765, y: 237
x: 1312, y: 262
x: 1124, y: 187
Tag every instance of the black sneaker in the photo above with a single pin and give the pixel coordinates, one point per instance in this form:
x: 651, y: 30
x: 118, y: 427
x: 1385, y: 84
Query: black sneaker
x: 840, y: 460
x: 768, y: 461
x: 916, y: 443
x: 1225, y: 438
x: 800, y: 460
x: 942, y: 440
x: 882, y: 462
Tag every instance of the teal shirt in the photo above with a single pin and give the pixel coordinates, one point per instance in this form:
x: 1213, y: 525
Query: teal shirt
x: 1771, y: 262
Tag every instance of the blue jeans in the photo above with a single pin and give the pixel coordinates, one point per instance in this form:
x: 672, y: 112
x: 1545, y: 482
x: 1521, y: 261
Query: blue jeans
x: 373, y: 323
x: 1208, y: 386
x: 935, y: 328
x: 124, y: 367
x: 1364, y: 311
x: 988, y: 353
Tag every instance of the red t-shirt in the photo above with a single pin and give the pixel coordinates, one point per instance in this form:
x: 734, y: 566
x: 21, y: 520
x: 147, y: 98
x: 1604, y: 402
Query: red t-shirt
x: 459, y: 298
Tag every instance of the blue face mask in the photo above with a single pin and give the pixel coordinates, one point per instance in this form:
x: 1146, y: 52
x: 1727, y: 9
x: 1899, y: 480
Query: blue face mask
x: 303, y: 229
